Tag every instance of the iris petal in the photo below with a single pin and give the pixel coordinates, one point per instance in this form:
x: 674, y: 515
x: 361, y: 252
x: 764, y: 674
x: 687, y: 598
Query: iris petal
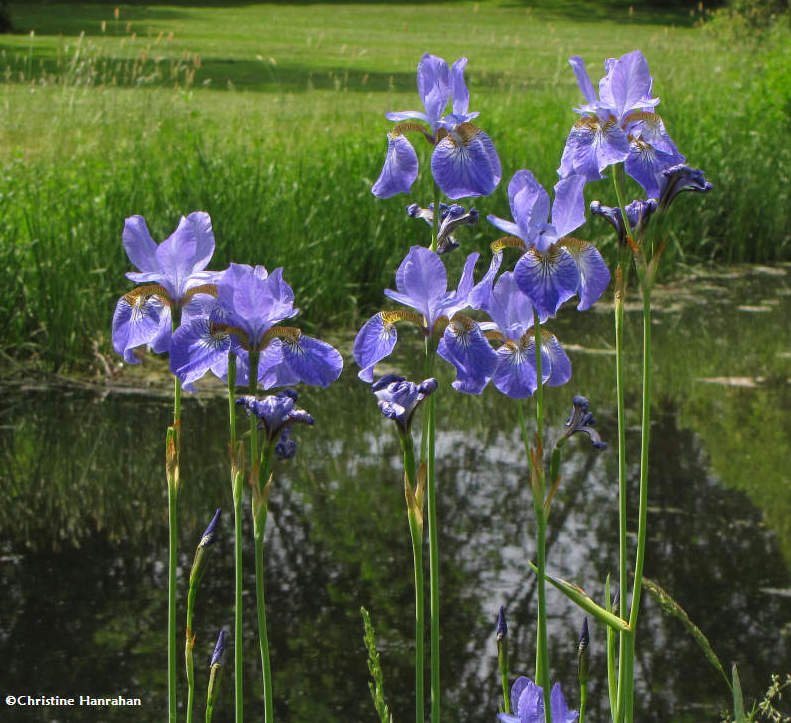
x: 559, y: 369
x: 375, y: 341
x: 547, y: 279
x: 422, y: 282
x: 137, y: 324
x: 194, y: 350
x: 138, y: 244
x: 465, y: 163
x: 400, y: 168
x: 464, y: 346
x: 315, y: 362
x: 593, y: 272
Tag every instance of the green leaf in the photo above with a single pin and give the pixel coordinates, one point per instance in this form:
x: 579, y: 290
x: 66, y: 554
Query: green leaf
x: 577, y: 595
x: 738, y: 700
x: 670, y: 606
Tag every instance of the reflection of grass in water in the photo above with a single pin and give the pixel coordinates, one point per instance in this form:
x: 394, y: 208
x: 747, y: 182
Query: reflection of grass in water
x: 285, y: 171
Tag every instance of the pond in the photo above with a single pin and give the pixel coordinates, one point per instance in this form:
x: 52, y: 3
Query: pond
x: 83, y: 528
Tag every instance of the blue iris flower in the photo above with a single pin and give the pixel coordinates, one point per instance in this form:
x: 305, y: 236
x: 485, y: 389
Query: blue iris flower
x: 619, y: 126
x: 171, y: 272
x: 512, y: 366
x: 527, y: 700
x: 638, y: 213
x: 422, y: 285
x: 554, y: 266
x: 245, y: 316
x: 464, y: 161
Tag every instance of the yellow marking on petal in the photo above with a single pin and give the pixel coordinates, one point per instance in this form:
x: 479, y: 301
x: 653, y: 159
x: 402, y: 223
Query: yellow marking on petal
x: 217, y: 329
x: 507, y: 242
x: 494, y: 335
x: 465, y: 133
x: 639, y: 115
x: 289, y: 334
x: 391, y: 317
x: 143, y: 293
x: 410, y: 126
x: 462, y: 322
x: 574, y: 246
x: 210, y: 289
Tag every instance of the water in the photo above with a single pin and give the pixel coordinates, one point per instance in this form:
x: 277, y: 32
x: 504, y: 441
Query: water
x: 83, y: 529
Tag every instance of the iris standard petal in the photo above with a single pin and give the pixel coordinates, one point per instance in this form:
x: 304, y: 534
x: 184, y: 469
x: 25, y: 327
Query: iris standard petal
x: 375, y: 341
x: 314, y: 361
x: 465, y: 347
x: 594, y: 276
x: 465, y: 163
x: 516, y: 691
x: 629, y: 86
x: 402, y: 115
x: 560, y: 711
x: 529, y: 204
x: 568, y: 208
x: 459, y: 299
x: 422, y: 282
x: 459, y: 92
x: 433, y: 85
x: 480, y: 294
x: 400, y: 168
x: 176, y: 257
x: 530, y: 705
x: 583, y: 80
x: 509, y: 308
x: 199, y: 224
x: 548, y: 279
x: 138, y: 244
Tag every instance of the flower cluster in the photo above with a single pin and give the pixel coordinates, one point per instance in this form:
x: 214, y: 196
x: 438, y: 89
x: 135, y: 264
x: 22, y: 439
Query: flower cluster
x: 527, y: 702
x: 464, y: 161
x: 234, y: 312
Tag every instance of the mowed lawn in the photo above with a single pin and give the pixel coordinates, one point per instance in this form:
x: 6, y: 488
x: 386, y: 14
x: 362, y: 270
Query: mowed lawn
x: 271, y: 117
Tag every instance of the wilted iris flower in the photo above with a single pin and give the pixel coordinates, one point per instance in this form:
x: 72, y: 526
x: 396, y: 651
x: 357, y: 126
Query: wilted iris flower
x: 451, y: 217
x: 581, y: 420
x: 250, y: 304
x: 277, y: 412
x: 464, y: 161
x: 527, y: 702
x: 681, y: 178
x: 422, y: 284
x: 637, y: 212
x: 554, y: 266
x: 619, y: 125
x: 398, y: 398
x: 171, y: 273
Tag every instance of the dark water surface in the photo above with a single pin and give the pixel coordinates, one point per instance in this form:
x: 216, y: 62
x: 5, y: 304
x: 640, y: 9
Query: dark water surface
x: 83, y: 529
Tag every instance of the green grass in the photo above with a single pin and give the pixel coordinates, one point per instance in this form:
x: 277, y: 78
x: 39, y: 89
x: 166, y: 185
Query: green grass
x: 270, y: 117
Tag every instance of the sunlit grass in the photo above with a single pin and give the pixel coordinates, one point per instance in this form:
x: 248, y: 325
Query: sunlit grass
x: 270, y: 117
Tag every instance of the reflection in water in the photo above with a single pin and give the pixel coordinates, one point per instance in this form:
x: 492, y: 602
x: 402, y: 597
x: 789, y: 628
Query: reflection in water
x: 84, y: 532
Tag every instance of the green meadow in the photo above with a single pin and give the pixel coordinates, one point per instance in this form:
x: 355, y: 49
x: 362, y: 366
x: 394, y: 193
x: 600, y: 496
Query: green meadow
x: 271, y: 118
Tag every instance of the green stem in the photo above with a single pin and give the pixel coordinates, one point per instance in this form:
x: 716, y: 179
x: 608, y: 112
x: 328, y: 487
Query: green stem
x: 427, y: 453
x: 502, y: 660
x: 172, y: 562
x: 173, y: 478
x: 539, y: 490
x: 416, y: 533
x: 583, y: 701
x: 188, y: 658
x: 622, y: 491
x: 435, y: 224
x: 259, y: 525
x: 645, y: 429
x: 236, y: 491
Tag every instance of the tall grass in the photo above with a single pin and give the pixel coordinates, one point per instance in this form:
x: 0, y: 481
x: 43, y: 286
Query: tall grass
x: 96, y: 128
